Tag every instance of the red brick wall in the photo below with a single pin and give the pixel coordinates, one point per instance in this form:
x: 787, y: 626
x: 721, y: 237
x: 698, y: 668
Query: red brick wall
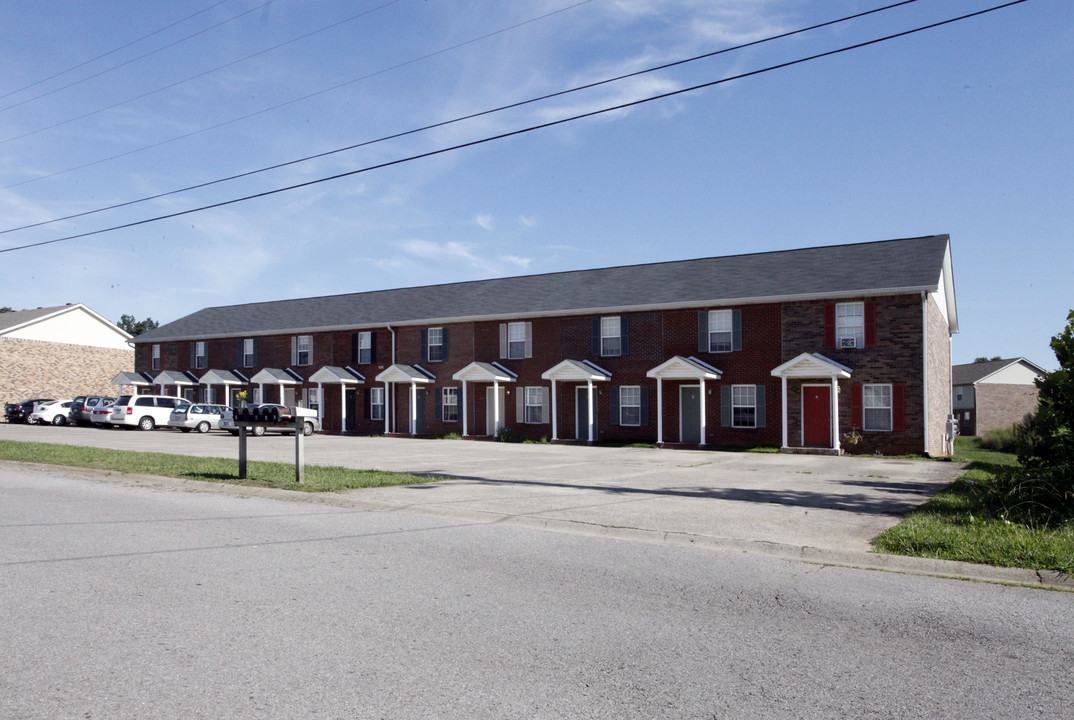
x: 35, y: 369
x: 1000, y: 405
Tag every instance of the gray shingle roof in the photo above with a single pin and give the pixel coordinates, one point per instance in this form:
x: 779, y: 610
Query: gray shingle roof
x: 18, y: 317
x: 907, y: 265
x: 970, y: 373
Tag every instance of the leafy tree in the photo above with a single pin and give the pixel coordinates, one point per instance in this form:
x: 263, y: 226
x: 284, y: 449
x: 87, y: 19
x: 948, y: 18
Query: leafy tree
x: 984, y: 359
x: 6, y: 308
x: 136, y: 327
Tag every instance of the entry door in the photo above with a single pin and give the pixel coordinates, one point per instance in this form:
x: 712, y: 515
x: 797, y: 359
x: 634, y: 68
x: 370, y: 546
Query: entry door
x: 817, y: 416
x: 690, y: 414
x: 351, y: 403
x: 491, y: 426
x: 419, y: 411
x: 581, y: 414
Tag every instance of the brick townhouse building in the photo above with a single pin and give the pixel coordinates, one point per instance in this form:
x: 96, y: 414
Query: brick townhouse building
x: 837, y: 348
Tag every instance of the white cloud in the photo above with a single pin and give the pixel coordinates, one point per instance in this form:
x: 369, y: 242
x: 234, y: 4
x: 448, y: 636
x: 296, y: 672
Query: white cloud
x: 484, y: 221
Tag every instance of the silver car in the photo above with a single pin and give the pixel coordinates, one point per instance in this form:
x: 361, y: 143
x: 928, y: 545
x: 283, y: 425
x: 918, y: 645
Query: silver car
x: 202, y: 417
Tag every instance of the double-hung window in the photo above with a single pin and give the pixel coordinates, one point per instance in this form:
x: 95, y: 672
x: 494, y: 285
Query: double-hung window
x: 313, y: 399
x: 630, y: 405
x: 850, y: 325
x: 249, y: 352
x: 534, y: 405
x: 517, y: 335
x: 876, y: 404
x: 365, y: 347
x: 744, y: 406
x: 155, y: 357
x: 201, y: 354
x: 610, y: 337
x: 449, y: 404
x: 303, y: 350
x: 376, y: 403
x: 721, y: 330
x: 435, y: 344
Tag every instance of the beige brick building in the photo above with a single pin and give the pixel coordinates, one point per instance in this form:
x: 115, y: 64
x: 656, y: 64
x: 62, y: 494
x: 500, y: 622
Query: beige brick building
x: 60, y: 352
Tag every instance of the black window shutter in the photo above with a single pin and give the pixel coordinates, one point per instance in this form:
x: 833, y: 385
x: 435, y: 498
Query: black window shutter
x: 736, y: 329
x: 596, y: 337
x: 354, y: 347
x: 443, y: 340
x: 615, y: 404
x: 725, y: 406
x: 762, y: 413
x: 439, y: 404
x: 424, y: 345
x: 624, y: 335
x: 702, y: 331
x: 372, y: 347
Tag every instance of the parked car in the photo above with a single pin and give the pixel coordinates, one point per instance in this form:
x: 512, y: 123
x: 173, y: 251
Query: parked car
x: 100, y: 414
x: 83, y: 405
x: 310, y: 425
x: 202, y: 417
x: 54, y: 413
x: 20, y: 412
x: 145, y: 412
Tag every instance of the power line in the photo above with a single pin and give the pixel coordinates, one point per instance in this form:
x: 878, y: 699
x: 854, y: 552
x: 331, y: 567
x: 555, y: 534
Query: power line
x: 288, y: 102
x: 514, y: 133
x: 124, y: 64
x: 472, y: 116
x: 113, y: 51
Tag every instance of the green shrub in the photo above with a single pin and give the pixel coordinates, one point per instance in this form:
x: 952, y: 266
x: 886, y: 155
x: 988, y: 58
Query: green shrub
x: 1005, y: 439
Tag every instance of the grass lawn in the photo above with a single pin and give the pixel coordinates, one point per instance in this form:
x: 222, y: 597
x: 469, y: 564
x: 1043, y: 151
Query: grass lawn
x: 263, y: 474
x: 955, y: 524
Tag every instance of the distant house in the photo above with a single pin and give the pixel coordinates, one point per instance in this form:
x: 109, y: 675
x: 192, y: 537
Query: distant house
x: 60, y: 352
x: 839, y: 348
x: 994, y: 394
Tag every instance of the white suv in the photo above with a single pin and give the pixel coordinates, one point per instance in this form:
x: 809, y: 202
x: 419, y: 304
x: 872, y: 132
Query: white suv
x: 145, y: 411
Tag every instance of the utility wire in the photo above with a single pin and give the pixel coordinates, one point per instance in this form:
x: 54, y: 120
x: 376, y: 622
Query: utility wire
x: 514, y: 133
x: 124, y: 64
x: 295, y: 100
x: 462, y: 118
x: 113, y: 51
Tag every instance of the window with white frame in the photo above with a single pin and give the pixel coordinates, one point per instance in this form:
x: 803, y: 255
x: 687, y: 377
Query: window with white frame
x: 304, y: 350
x: 876, y: 408
x: 721, y: 330
x: 611, y: 340
x: 365, y: 347
x: 516, y: 340
x: 313, y: 399
x: 534, y: 405
x: 449, y: 402
x: 376, y: 403
x: 630, y: 405
x: 435, y: 344
x: 201, y: 354
x: 249, y: 352
x: 156, y: 357
x: 744, y: 406
x: 850, y: 325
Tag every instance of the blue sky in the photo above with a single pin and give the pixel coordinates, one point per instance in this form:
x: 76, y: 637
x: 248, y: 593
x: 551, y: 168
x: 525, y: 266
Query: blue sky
x: 963, y: 129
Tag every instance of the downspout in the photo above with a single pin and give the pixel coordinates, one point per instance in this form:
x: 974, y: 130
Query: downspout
x: 925, y: 362
x: 388, y: 394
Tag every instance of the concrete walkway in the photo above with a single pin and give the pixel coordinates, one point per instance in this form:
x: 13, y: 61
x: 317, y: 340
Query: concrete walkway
x: 819, y: 508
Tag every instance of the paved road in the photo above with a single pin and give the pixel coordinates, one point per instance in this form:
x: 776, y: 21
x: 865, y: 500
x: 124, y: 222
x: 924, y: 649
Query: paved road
x: 123, y: 599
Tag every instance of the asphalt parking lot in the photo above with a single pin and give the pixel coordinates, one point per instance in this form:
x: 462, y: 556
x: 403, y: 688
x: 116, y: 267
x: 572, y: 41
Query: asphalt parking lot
x: 801, y: 504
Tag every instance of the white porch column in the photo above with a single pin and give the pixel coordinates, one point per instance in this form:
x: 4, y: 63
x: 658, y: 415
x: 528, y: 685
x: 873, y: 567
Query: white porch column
x: 261, y: 392
x: 786, y: 428
x: 387, y: 408
x: 703, y: 432
x: 282, y: 395
x: 659, y: 411
x: 591, y: 402
x: 495, y: 405
x: 835, y: 413
x: 320, y: 404
x: 555, y: 415
x: 413, y: 408
x: 342, y: 408
x: 465, y: 408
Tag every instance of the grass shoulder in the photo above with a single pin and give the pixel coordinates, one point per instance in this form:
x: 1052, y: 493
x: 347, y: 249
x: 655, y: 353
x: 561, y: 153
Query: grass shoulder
x: 318, y: 478
x: 973, y: 520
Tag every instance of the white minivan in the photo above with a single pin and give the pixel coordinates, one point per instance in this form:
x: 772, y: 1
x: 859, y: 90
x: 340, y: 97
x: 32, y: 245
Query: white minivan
x: 145, y: 411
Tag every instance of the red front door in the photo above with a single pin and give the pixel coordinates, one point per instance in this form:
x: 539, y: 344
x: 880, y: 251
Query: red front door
x: 817, y: 416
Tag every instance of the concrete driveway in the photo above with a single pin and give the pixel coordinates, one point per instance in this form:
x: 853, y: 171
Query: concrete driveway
x: 783, y: 503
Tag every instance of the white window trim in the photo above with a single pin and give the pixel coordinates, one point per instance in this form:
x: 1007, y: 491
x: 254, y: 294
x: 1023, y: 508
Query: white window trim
x: 513, y: 330
x: 537, y: 393
x: 248, y: 354
x: 438, y: 344
x: 867, y: 397
x: 726, y: 327
x: 201, y: 354
x: 850, y: 334
x: 751, y: 390
x: 607, y: 335
x: 299, y: 349
x: 623, y: 406
x: 374, y: 393
x: 453, y: 394
x: 365, y: 347
x: 155, y: 358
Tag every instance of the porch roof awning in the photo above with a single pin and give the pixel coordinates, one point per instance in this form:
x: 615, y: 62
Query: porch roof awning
x: 338, y: 375
x: 576, y: 371
x: 812, y: 365
x: 132, y: 378
x: 221, y: 377
x: 682, y: 368
x: 174, y: 377
x: 276, y: 376
x: 400, y: 373
x: 485, y: 372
